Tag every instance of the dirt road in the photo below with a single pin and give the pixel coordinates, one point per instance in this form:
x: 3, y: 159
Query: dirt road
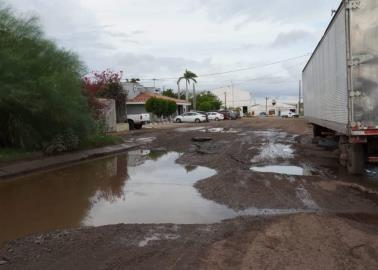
x: 297, y: 209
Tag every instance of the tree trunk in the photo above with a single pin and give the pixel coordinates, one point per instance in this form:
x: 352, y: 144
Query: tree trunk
x: 186, y: 92
x: 194, y: 97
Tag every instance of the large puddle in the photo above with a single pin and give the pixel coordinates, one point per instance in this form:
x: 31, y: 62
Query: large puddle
x: 138, y: 187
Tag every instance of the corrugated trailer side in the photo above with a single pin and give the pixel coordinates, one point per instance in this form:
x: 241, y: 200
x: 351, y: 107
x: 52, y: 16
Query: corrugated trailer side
x: 340, y: 83
x: 325, y: 81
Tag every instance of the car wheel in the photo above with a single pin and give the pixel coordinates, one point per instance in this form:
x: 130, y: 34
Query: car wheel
x: 216, y: 119
x: 197, y: 121
x: 178, y: 120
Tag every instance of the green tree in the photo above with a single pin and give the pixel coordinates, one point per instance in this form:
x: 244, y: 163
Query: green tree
x: 207, y: 101
x: 40, y: 87
x: 188, y: 77
x: 169, y: 93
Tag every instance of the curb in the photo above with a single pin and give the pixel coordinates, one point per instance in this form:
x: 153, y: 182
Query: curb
x: 55, y: 161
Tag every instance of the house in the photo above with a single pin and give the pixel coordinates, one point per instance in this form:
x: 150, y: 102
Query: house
x: 233, y: 97
x: 272, y: 110
x: 136, y: 104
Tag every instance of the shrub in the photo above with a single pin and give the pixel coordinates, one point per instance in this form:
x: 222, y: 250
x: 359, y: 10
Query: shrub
x: 41, y: 93
x: 160, y: 107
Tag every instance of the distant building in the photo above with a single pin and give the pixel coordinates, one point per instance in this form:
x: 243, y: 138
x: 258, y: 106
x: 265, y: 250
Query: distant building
x: 233, y: 97
x: 272, y: 110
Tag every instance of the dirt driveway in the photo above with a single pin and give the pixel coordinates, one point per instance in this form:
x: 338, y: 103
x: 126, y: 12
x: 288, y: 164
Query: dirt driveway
x: 297, y: 209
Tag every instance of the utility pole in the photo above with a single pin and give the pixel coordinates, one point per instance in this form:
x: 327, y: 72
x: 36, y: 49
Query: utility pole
x: 225, y: 100
x: 266, y: 105
x: 154, y: 85
x: 194, y: 97
x: 299, y: 97
x: 233, y: 99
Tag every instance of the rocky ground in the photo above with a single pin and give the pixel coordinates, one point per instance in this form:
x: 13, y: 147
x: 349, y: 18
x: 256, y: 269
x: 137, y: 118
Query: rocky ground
x: 323, y: 219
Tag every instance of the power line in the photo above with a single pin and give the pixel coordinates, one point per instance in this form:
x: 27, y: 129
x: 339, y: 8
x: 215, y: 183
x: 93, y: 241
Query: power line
x: 235, y: 70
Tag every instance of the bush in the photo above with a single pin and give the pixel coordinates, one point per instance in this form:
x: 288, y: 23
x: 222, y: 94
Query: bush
x: 41, y: 95
x: 160, y: 107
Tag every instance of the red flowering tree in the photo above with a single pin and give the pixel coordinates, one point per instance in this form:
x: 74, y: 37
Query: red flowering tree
x: 106, y: 84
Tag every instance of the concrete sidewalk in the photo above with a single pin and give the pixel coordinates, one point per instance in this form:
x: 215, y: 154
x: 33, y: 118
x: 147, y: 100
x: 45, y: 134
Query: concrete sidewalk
x: 54, y: 161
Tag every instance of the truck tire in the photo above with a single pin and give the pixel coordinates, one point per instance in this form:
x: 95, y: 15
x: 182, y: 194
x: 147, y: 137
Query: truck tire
x: 343, y: 148
x: 131, y: 124
x: 356, y: 158
x: 138, y: 126
x: 316, y: 131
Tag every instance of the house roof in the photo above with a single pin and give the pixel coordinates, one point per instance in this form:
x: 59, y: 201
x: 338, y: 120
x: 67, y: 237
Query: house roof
x: 143, y: 97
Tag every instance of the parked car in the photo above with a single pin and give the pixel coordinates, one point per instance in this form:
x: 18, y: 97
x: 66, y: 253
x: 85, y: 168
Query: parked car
x: 136, y: 121
x: 204, y: 113
x: 190, y: 117
x: 233, y: 115
x: 263, y: 114
x: 226, y: 114
x: 215, y: 116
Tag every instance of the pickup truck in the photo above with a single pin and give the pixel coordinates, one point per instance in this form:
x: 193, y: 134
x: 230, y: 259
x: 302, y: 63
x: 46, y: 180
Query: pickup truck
x: 136, y: 121
x: 289, y: 114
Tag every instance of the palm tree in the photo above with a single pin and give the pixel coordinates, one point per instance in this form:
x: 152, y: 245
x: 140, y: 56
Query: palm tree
x: 188, y: 76
x: 133, y: 80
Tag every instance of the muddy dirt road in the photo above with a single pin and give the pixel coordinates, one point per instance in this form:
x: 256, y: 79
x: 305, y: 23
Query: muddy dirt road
x: 289, y: 206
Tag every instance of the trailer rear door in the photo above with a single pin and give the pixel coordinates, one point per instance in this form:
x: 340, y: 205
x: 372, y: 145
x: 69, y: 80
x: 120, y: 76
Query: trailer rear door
x: 364, y: 49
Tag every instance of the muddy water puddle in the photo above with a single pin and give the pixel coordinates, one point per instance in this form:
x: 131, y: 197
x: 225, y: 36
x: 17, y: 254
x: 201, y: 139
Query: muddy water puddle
x: 282, y: 169
x: 208, y: 130
x: 139, y: 187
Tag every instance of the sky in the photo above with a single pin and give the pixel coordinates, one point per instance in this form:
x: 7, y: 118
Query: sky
x: 160, y: 39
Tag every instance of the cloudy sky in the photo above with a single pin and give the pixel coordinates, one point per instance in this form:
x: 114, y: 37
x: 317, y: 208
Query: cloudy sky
x: 161, y: 38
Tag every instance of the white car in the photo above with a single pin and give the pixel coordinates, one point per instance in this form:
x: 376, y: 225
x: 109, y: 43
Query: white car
x: 191, y: 117
x: 215, y: 116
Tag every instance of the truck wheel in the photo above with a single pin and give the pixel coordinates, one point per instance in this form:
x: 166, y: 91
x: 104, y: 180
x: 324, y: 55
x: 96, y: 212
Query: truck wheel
x: 343, y: 147
x: 131, y: 124
x: 138, y: 126
x: 316, y: 131
x: 356, y: 159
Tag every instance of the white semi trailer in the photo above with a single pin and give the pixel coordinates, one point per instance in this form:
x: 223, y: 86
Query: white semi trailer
x: 340, y: 83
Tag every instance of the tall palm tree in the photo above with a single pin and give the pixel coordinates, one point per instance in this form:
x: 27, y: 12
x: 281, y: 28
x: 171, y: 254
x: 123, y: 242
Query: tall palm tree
x: 188, y: 76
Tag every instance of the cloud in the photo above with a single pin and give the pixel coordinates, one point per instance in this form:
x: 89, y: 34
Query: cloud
x: 294, y: 36
x: 159, y: 39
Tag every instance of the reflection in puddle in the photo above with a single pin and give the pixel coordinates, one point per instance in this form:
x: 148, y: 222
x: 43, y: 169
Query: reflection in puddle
x: 282, y: 169
x: 372, y: 172
x: 220, y: 130
x: 272, y: 151
x: 139, y: 187
x: 186, y: 129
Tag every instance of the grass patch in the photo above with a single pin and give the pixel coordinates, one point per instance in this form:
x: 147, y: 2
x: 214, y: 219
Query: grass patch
x: 9, y: 154
x: 100, y: 141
